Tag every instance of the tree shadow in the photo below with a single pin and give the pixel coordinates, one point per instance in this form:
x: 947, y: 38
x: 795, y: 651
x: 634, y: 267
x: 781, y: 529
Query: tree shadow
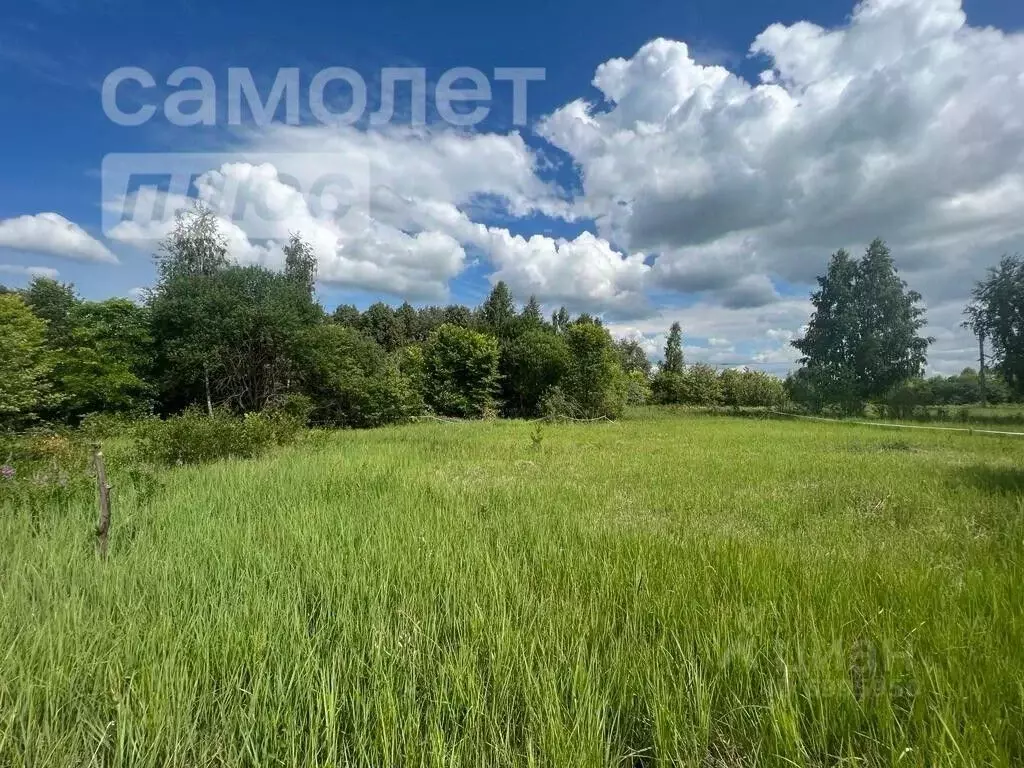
x: 997, y: 480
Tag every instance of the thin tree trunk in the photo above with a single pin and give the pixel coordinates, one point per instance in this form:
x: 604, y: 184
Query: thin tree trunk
x: 981, y: 369
x: 206, y: 381
x: 103, y: 526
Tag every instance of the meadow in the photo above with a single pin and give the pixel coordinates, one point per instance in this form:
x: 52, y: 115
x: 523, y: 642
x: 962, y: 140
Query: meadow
x: 664, y: 590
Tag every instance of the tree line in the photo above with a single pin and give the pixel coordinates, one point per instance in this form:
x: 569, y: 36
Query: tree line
x: 214, y: 335
x: 863, y: 343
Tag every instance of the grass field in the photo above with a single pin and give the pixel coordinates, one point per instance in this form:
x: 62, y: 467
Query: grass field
x: 1005, y: 416
x: 663, y: 590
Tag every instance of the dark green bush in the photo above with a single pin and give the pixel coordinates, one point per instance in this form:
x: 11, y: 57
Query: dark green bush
x: 460, y: 372
x: 595, y: 381
x: 352, y: 382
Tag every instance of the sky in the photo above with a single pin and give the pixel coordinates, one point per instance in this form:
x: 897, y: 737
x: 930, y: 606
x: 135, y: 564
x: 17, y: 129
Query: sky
x: 692, y: 161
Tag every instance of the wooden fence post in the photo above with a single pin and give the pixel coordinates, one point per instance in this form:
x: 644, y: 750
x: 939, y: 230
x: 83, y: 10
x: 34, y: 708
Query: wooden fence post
x: 103, y: 526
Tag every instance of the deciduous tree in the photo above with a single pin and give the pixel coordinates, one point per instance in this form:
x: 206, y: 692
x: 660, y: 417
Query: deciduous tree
x: 999, y: 300
x: 531, y: 364
x: 862, y: 338
x: 25, y: 363
x: 107, y: 361
x: 195, y: 246
x: 595, y: 382
x: 673, y: 362
x: 460, y: 371
x: 300, y: 263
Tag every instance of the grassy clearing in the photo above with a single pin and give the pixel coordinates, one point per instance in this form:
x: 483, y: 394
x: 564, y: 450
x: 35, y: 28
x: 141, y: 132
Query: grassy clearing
x: 1005, y: 416
x: 663, y: 590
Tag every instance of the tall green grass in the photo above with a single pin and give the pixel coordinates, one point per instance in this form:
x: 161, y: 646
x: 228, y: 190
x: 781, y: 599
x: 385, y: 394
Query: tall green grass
x: 687, y: 591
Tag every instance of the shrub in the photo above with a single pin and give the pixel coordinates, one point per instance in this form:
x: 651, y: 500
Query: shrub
x: 26, y: 364
x: 352, y: 382
x: 668, y: 388
x: 556, y: 406
x: 638, y: 390
x: 698, y: 385
x: 760, y: 390
x: 531, y: 364
x: 296, y: 405
x: 46, y: 473
x: 701, y: 385
x: 595, y: 381
x: 904, y: 400
x: 102, y: 426
x: 194, y: 437
x: 460, y: 371
x: 733, y: 389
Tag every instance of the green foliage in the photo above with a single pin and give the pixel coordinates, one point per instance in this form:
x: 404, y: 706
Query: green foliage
x: 696, y: 385
x: 300, y: 263
x: 53, y: 302
x: 236, y: 329
x: 638, y: 390
x: 557, y: 406
x: 99, y: 426
x: 347, y: 314
x: 749, y: 388
x: 297, y: 405
x: 560, y: 320
x: 531, y: 364
x: 380, y: 324
x: 106, y: 360
x: 915, y: 398
x: 250, y: 339
x: 411, y: 365
x: 408, y: 320
x: 194, y: 437
x: 668, y: 388
x: 701, y: 385
x: 733, y: 389
x: 351, y: 381
x: 46, y: 475
x: 498, y: 312
x: 460, y: 370
x: 998, y: 313
x: 862, y: 339
x: 632, y: 357
x: 195, y: 247
x: 455, y: 314
x: 595, y: 381
x: 906, y: 398
x: 673, y: 361
x: 25, y: 364
x: 762, y: 390
x: 531, y: 316
x: 965, y: 389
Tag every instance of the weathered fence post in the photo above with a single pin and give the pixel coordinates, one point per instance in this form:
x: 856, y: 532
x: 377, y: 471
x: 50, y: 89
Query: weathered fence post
x: 103, y: 526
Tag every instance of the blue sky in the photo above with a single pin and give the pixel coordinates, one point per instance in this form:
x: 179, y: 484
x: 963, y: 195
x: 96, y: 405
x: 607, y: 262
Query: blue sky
x: 697, y: 178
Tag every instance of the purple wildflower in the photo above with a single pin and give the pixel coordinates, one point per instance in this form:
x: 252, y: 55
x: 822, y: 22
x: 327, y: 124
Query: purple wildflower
x: 7, y: 472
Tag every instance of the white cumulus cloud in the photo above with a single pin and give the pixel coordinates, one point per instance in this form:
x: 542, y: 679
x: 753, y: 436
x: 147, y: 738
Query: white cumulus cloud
x: 906, y: 122
x: 30, y: 272
x: 52, y: 234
